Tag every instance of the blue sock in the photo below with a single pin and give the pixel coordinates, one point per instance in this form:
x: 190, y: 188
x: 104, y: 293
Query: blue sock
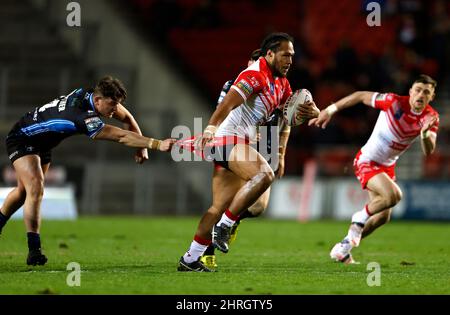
x: 3, y: 220
x: 34, y: 241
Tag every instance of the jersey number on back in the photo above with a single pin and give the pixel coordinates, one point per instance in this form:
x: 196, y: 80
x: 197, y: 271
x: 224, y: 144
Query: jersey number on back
x: 53, y: 103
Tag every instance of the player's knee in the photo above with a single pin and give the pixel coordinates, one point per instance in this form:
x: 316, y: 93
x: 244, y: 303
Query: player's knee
x: 267, y: 179
x: 393, y: 198
x: 21, y: 192
x: 35, y: 188
x: 398, y: 196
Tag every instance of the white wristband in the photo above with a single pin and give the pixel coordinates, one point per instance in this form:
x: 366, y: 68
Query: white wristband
x: 424, y: 135
x: 331, y: 110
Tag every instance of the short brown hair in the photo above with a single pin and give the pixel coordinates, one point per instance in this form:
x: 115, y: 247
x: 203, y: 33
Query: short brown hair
x: 426, y: 79
x: 111, y: 87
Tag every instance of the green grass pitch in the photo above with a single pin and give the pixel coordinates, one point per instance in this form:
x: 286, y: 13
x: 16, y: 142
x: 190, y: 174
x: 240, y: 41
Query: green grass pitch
x: 139, y: 255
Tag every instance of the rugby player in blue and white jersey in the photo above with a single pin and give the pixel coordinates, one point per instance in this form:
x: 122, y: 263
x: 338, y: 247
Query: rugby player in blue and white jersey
x: 30, y: 141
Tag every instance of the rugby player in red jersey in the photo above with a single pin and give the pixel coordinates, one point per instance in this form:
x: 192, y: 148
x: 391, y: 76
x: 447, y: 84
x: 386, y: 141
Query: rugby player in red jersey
x: 402, y: 119
x: 283, y: 131
x: 255, y: 94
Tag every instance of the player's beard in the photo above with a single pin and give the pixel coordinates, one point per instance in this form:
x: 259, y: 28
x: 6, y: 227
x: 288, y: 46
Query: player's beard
x: 277, y: 73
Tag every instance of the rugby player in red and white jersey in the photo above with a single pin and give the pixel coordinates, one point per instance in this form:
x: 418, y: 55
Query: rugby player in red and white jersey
x: 266, y: 142
x: 255, y: 94
x: 402, y: 119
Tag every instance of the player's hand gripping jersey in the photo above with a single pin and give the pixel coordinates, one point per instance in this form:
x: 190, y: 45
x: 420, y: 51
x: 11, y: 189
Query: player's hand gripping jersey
x: 396, y: 128
x: 262, y: 94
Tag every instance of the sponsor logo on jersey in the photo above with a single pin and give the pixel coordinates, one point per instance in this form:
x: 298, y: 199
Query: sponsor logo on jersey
x: 272, y: 88
x: 245, y: 87
x: 93, y: 123
x: 254, y: 82
x: 381, y: 97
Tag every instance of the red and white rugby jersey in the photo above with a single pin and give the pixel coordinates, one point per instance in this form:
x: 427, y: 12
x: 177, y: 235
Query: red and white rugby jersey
x: 396, y: 128
x: 262, y: 94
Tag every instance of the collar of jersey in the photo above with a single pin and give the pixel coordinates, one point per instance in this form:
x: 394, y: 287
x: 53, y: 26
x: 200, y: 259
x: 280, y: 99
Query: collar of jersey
x: 417, y: 113
x: 266, y: 68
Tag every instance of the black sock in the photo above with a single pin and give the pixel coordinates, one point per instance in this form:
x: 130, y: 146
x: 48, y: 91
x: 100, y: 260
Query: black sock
x: 245, y: 214
x: 209, y: 251
x: 34, y: 241
x: 3, y: 220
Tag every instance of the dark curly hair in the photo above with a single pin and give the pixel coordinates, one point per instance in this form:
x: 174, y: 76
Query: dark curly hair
x: 273, y: 41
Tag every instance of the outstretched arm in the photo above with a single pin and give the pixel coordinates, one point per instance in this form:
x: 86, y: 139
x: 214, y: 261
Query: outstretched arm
x: 348, y: 101
x: 129, y: 123
x: 132, y: 139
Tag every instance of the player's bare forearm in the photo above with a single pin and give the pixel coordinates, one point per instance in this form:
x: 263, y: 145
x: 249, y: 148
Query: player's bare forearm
x: 232, y: 100
x: 131, y: 139
x: 355, y: 98
x: 219, y: 115
x: 428, y: 137
x: 284, y: 137
x: 126, y: 137
x: 428, y: 143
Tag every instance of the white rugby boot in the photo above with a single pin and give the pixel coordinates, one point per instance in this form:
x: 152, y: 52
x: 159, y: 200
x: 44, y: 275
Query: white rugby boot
x: 341, y: 252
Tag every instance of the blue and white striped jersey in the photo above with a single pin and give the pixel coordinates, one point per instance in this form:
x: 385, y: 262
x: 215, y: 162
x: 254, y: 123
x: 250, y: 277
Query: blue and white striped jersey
x: 46, y: 126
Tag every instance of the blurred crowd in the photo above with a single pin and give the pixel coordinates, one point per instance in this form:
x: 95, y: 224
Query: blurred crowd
x: 421, y: 45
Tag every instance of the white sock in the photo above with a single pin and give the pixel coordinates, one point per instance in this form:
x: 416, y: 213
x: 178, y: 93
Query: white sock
x: 226, y: 220
x: 361, y: 216
x: 195, y: 251
x: 345, y: 243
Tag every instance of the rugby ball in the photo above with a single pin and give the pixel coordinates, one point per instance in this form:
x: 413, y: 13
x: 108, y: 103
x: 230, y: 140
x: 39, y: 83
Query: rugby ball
x: 290, y: 110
